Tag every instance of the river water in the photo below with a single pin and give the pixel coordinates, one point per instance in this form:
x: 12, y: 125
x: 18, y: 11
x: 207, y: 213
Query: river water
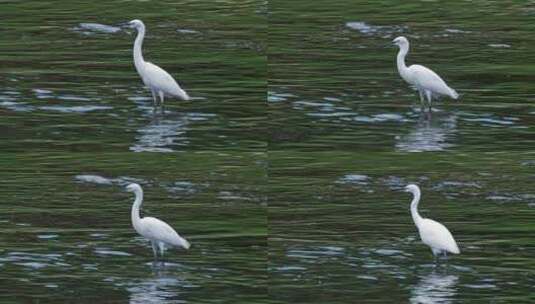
x: 293, y: 200
x: 347, y: 135
x: 77, y: 126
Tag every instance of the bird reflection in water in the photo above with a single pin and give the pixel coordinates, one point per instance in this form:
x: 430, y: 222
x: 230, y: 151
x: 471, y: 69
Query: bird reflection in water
x: 435, y: 288
x: 163, y: 287
x: 430, y: 134
x: 162, y: 135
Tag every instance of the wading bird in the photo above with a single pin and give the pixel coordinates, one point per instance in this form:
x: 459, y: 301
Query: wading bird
x: 159, y: 233
x: 159, y: 82
x: 427, y: 82
x: 432, y: 233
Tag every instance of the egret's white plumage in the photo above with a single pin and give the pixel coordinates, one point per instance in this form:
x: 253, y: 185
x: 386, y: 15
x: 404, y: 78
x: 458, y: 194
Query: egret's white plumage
x: 155, y: 78
x: 159, y: 233
x: 427, y: 82
x: 432, y: 233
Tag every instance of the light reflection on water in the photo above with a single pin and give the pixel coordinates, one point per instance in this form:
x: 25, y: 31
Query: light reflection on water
x: 161, y: 135
x: 162, y: 286
x: 435, y: 288
x: 430, y: 134
x: 167, y: 132
x: 75, y: 110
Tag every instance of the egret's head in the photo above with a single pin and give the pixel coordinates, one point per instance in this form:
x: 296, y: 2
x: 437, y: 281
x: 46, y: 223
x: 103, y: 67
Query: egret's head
x: 133, y: 187
x: 411, y: 188
x: 400, y: 41
x: 136, y: 23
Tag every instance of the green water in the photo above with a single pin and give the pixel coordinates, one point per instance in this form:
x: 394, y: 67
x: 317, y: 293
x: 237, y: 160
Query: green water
x: 347, y: 134
x: 77, y: 125
x: 293, y: 200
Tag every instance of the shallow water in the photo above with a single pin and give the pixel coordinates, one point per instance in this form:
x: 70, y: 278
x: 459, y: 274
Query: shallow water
x: 78, y: 125
x: 341, y: 228
x: 344, y: 135
x: 64, y: 77
x: 347, y: 134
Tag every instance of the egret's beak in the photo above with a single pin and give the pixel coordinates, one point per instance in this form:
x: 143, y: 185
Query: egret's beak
x: 124, y: 24
x: 126, y: 27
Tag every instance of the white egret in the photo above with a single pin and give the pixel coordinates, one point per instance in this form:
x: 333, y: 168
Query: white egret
x: 427, y: 82
x: 159, y: 233
x: 159, y: 82
x: 432, y: 233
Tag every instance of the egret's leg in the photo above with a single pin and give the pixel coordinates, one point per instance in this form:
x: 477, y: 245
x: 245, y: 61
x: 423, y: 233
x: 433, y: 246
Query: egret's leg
x: 429, y: 100
x: 162, y: 247
x: 162, y: 250
x: 154, y: 249
x: 162, y: 95
x: 435, y: 260
x: 154, y: 100
x: 422, y: 101
x: 436, y: 254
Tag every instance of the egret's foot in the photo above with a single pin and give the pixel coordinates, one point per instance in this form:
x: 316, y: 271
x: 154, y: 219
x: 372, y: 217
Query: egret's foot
x: 428, y: 115
x: 158, y: 265
x: 436, y: 258
x: 157, y: 111
x: 422, y: 108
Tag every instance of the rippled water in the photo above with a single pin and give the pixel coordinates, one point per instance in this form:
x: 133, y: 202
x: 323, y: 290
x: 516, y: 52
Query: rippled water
x: 339, y: 137
x: 78, y: 125
x: 68, y: 81
x: 340, y: 227
x: 346, y: 134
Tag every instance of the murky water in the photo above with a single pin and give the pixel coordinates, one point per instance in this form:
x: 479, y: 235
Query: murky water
x: 77, y: 125
x: 341, y: 227
x: 347, y: 134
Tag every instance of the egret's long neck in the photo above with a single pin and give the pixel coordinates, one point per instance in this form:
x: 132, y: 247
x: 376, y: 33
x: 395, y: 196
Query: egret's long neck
x: 135, y: 208
x: 402, y: 67
x: 138, y: 56
x: 414, y: 208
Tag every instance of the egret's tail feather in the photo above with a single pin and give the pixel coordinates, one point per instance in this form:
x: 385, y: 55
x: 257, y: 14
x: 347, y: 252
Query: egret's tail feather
x: 182, y: 242
x: 453, y: 248
x: 182, y: 95
x: 453, y: 94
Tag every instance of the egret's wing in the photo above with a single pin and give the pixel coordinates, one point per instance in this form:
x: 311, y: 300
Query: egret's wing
x: 438, y: 236
x: 160, y: 79
x: 156, y: 229
x: 429, y: 80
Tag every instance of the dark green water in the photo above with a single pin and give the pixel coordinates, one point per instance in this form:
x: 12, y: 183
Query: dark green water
x: 293, y: 200
x: 77, y: 125
x: 347, y: 134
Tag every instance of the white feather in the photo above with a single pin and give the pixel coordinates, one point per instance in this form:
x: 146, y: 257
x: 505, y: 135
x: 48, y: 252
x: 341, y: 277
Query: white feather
x: 437, y: 236
x: 158, y: 79
x: 424, y: 79
x: 155, y: 230
x: 155, y: 78
x: 433, y: 234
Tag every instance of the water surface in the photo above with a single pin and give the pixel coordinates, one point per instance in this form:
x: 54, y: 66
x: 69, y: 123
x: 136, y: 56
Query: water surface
x: 347, y: 134
x: 78, y: 125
